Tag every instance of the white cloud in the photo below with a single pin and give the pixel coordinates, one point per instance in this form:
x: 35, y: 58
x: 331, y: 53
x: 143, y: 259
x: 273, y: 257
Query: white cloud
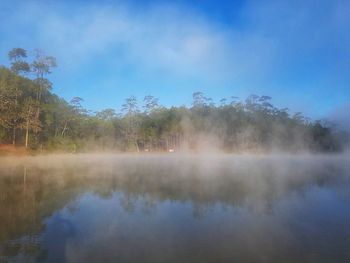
x: 162, y: 38
x: 275, y: 39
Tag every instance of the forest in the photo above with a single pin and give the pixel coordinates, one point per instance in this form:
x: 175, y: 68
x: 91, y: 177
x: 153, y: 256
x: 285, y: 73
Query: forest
x: 33, y: 117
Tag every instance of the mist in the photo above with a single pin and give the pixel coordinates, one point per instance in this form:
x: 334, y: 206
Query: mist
x: 102, y: 207
x: 340, y: 119
x: 174, y: 131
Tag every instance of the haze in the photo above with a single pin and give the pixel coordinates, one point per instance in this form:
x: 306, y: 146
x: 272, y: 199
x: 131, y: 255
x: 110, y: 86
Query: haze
x: 174, y: 131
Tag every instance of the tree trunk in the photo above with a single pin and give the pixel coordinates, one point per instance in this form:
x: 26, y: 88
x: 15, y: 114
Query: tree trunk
x: 27, y: 133
x: 14, y: 126
x: 64, y: 129
x: 14, y: 136
x: 37, y: 116
x: 137, y: 146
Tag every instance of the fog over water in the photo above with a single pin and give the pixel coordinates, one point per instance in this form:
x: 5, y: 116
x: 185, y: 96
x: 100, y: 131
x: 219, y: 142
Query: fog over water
x: 175, y: 208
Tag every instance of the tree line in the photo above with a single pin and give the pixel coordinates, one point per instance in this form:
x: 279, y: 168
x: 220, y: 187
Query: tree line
x: 34, y: 117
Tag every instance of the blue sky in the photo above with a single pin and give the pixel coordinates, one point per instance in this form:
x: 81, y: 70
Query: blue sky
x: 296, y: 51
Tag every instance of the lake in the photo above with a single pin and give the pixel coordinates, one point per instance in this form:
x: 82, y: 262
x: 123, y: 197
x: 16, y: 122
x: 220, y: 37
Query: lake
x: 175, y: 208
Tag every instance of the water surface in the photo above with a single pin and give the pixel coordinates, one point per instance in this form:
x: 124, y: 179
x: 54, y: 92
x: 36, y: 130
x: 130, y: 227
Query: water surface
x: 172, y: 208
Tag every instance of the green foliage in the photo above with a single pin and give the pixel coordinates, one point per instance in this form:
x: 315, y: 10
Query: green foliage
x: 30, y: 114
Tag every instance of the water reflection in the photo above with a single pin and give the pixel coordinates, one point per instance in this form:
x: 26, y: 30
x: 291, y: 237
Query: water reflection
x: 175, y: 209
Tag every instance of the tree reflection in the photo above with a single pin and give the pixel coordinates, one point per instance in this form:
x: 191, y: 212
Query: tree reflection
x: 31, y: 193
